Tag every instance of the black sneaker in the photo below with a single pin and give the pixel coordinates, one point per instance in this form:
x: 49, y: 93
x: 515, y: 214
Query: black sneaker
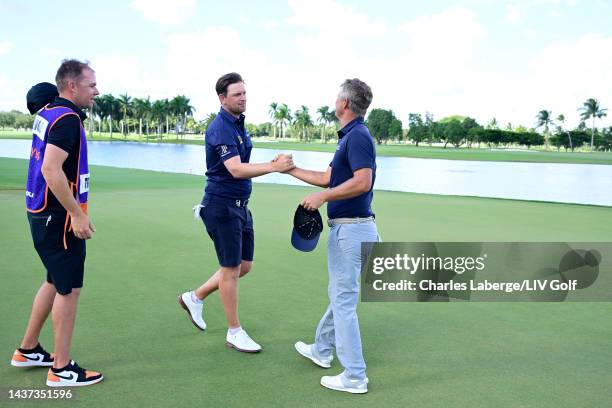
x: 72, y: 376
x: 36, y: 357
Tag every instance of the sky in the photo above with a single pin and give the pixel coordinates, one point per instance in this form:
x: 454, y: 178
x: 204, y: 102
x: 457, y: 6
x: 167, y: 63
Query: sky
x: 481, y: 58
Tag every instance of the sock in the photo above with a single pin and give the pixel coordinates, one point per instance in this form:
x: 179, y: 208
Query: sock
x: 194, y: 298
x: 234, y: 331
x: 29, y: 350
x: 59, y: 370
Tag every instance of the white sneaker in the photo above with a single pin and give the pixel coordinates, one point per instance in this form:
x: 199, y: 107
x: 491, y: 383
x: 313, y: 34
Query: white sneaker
x: 306, y: 350
x: 242, y: 342
x: 341, y: 383
x: 73, y: 376
x: 194, y: 310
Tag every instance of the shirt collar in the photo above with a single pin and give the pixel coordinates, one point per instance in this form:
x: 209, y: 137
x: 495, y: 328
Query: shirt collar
x: 349, y: 126
x: 228, y: 116
x: 68, y: 103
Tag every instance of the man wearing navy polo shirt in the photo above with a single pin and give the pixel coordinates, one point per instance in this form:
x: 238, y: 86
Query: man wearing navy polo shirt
x: 224, y: 210
x: 350, y: 178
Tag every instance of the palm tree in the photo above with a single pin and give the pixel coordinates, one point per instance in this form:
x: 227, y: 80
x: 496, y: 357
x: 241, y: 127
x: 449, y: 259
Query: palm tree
x: 591, y: 109
x: 283, y: 116
x: 323, y: 112
x: 561, y: 122
x: 492, y: 124
x: 544, y: 119
x: 126, y: 109
x: 273, y: 112
x: 142, y: 110
x: 303, y: 121
x: 159, y: 112
x: 181, y: 110
x: 95, y: 112
x: 209, y: 118
x: 107, y: 107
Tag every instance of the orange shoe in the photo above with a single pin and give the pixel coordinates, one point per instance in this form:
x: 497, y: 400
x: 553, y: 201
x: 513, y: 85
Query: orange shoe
x: 72, y: 376
x: 36, y: 357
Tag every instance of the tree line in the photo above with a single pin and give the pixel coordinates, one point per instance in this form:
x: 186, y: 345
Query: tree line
x: 460, y: 130
x: 144, y: 117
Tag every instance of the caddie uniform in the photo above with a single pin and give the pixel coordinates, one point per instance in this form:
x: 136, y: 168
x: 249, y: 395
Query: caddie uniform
x: 62, y: 253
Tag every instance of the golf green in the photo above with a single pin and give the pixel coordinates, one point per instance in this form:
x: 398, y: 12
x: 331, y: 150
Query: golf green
x: 148, y: 248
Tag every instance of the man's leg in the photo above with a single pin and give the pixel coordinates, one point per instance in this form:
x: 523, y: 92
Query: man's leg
x: 64, y: 314
x: 346, y: 296
x: 228, y: 290
x: 212, y: 284
x: 325, y: 337
x: 43, y: 302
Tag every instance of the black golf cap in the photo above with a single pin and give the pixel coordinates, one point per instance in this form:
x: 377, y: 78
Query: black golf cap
x: 40, y: 95
x: 307, y: 227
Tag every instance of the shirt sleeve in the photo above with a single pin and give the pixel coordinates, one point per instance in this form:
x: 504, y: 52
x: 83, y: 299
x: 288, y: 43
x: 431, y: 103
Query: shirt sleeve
x: 65, y: 133
x: 223, y: 143
x: 360, y: 152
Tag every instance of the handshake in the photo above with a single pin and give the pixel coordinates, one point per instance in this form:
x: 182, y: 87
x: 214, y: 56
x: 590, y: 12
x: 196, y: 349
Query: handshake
x: 282, y: 163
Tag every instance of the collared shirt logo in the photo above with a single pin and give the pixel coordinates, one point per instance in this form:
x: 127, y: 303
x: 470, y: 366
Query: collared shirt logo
x: 224, y: 150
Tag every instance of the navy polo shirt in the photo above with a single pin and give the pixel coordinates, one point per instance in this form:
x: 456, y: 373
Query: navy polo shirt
x: 226, y: 137
x: 355, y: 151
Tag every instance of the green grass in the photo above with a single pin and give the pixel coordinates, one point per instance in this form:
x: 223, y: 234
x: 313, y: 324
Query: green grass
x: 148, y: 249
x: 423, y: 151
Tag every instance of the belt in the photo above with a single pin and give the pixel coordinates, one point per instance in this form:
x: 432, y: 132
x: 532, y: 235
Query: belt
x: 219, y: 199
x: 356, y: 220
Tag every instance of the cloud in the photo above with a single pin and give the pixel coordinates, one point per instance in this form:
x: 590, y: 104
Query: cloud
x: 167, y: 13
x: 5, y: 47
x: 565, y: 74
x: 118, y: 73
x: 327, y: 26
x: 269, y: 24
x: 513, y: 15
x: 446, y: 37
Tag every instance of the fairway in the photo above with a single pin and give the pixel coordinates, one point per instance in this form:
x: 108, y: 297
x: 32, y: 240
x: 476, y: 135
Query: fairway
x: 148, y: 249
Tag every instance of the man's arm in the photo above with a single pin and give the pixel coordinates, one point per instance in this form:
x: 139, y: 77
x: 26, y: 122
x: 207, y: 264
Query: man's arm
x: 360, y: 183
x: 249, y: 170
x: 316, y: 178
x: 58, y: 183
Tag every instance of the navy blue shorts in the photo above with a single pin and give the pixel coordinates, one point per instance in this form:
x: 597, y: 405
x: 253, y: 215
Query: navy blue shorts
x: 65, y: 266
x: 229, y: 224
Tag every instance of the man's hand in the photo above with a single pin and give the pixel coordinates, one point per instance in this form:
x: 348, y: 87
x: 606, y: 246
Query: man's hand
x: 313, y: 201
x: 82, y: 226
x: 282, y: 163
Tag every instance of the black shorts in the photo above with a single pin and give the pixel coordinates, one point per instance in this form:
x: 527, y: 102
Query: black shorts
x: 229, y: 224
x: 61, y: 252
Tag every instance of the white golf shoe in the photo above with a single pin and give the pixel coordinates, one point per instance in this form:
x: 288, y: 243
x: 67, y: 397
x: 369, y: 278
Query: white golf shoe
x: 242, y: 342
x: 193, y: 309
x: 306, y: 350
x: 342, y: 383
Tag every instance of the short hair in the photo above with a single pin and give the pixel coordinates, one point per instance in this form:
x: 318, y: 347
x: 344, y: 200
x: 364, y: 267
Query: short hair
x: 225, y: 81
x: 358, y: 94
x: 70, y: 70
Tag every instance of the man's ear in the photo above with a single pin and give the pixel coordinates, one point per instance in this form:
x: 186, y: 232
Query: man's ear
x: 72, y: 85
x: 221, y: 98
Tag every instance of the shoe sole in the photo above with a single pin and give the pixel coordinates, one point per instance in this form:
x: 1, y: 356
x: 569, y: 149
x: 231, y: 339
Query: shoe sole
x: 230, y: 345
x: 30, y: 364
x: 311, y: 359
x: 184, y: 306
x: 78, y: 384
x: 349, y: 390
